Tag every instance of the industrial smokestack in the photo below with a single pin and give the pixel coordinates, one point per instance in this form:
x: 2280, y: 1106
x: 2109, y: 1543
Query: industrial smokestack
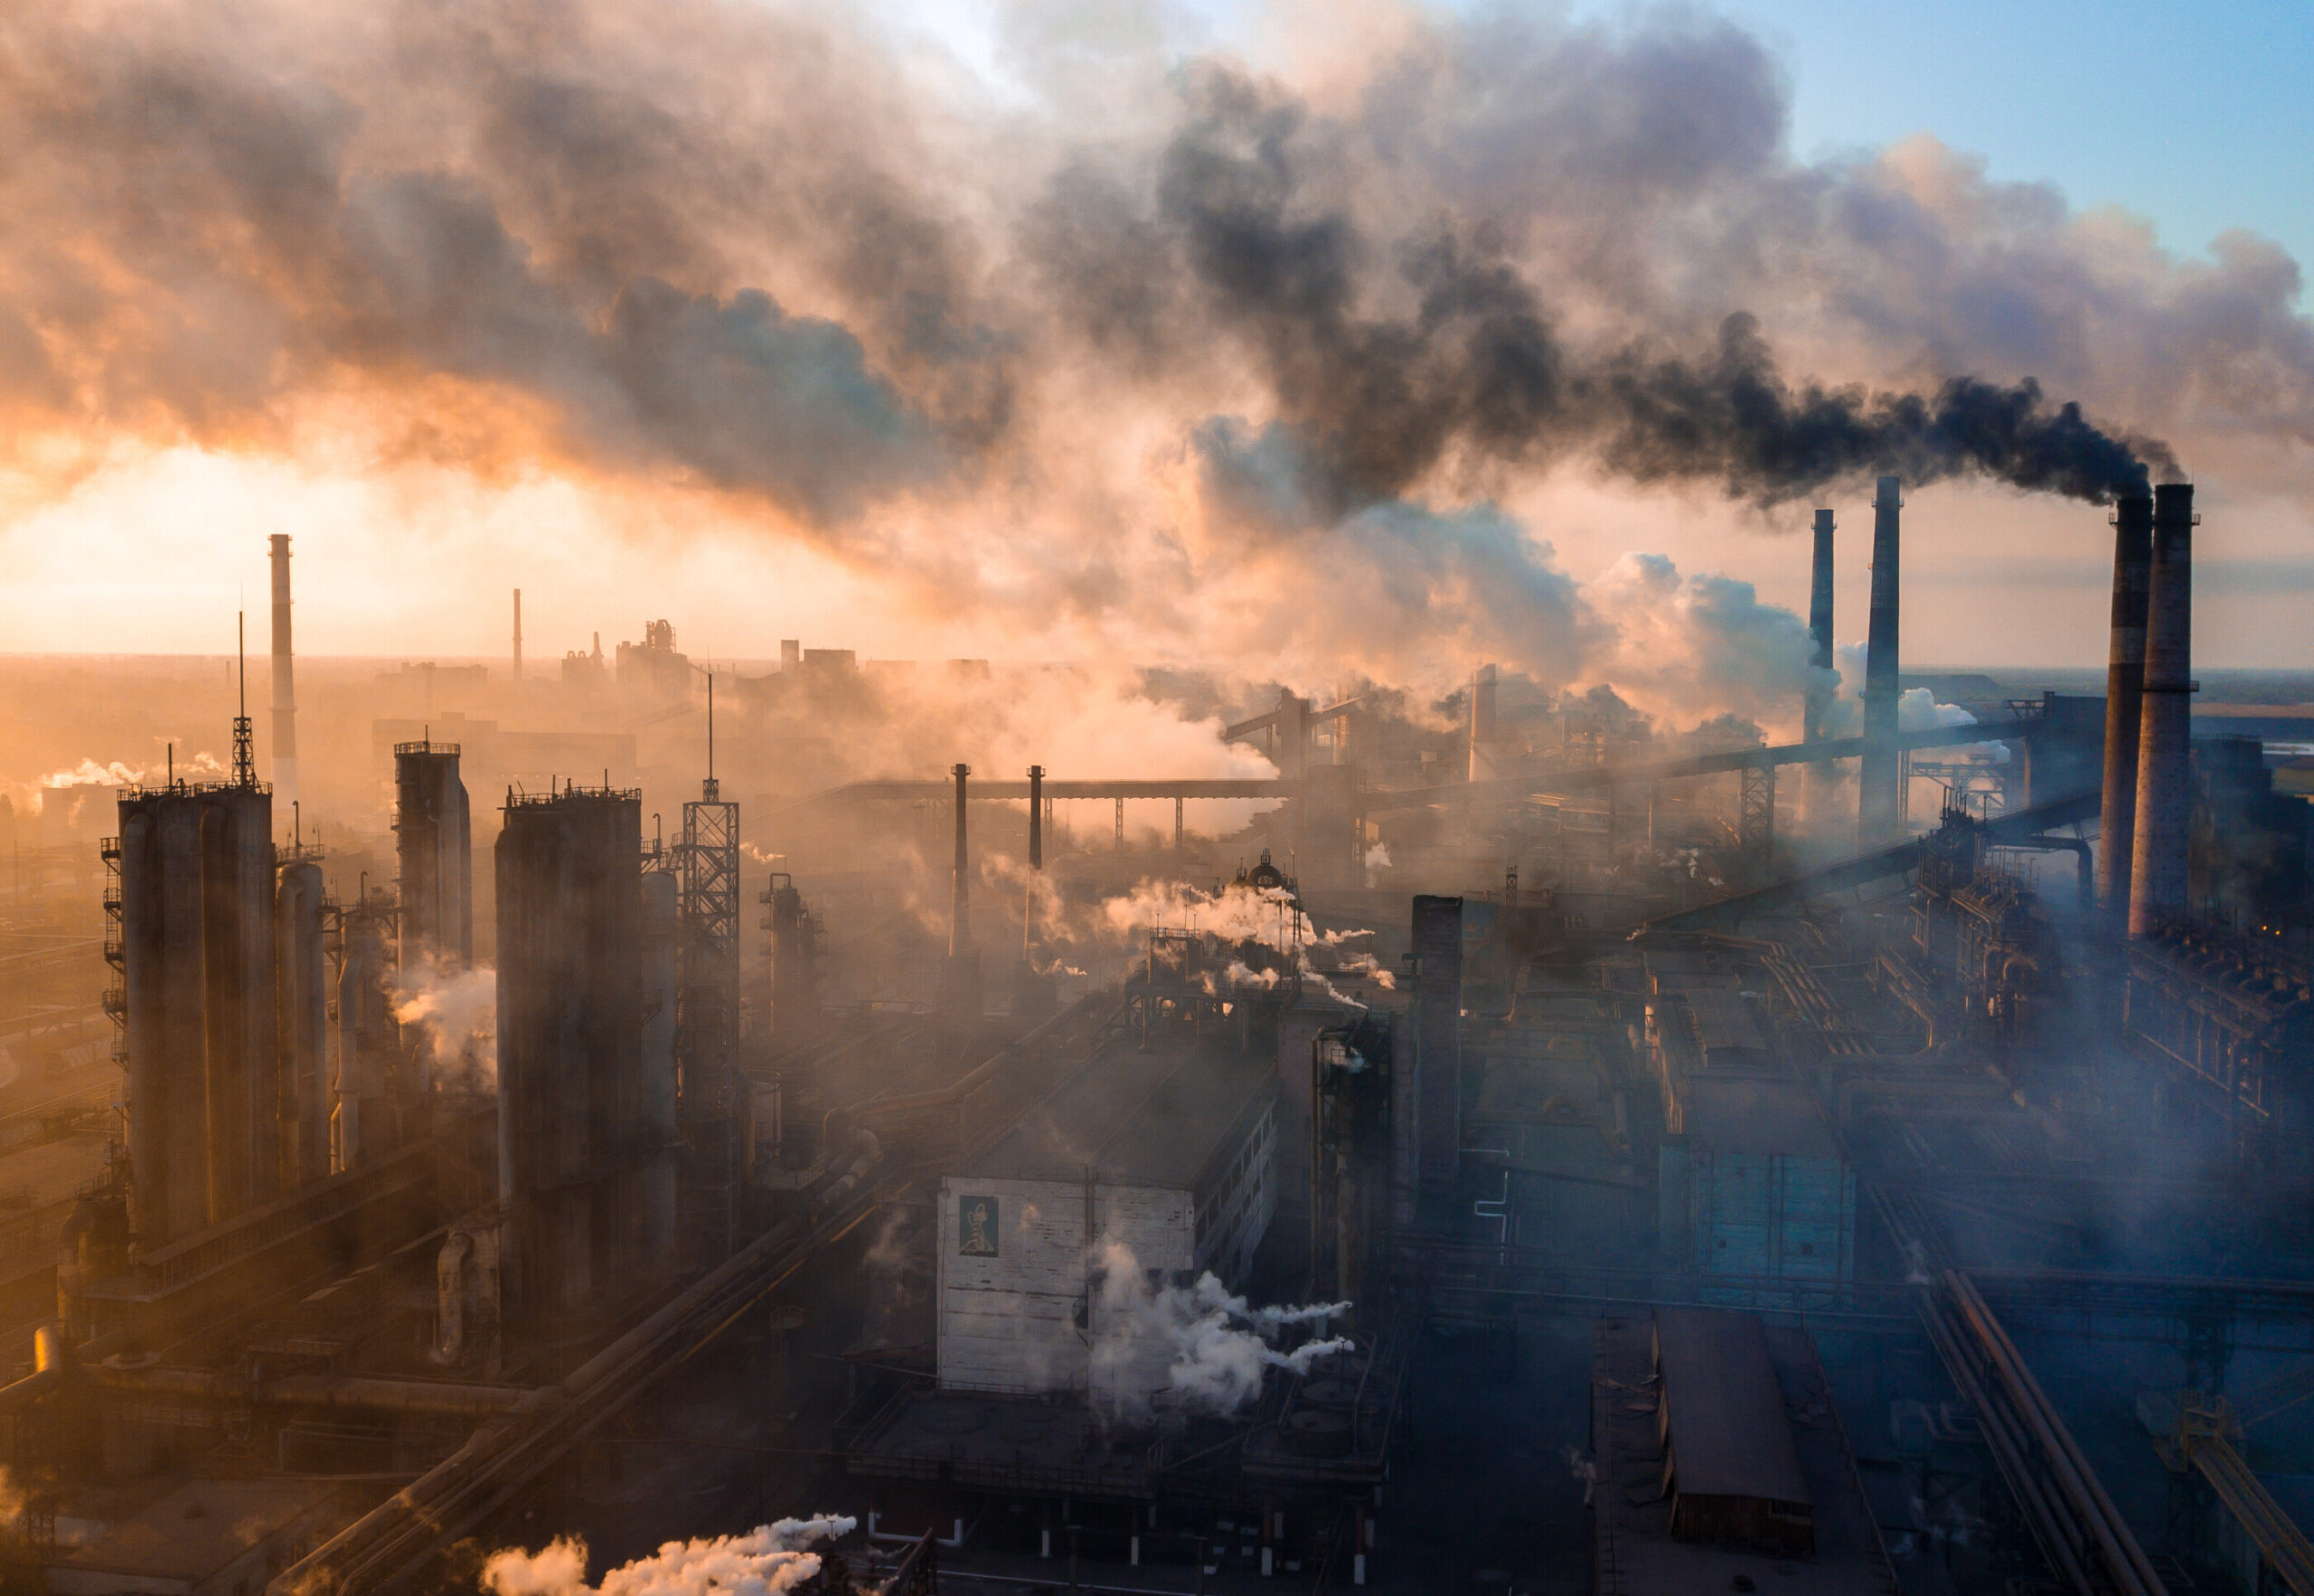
x: 1880, y: 819
x: 518, y: 634
x: 959, y: 993
x: 960, y: 917
x: 2164, y: 754
x: 2124, y: 709
x: 285, y: 689
x: 1482, y: 724
x: 1819, y: 629
x: 1034, y: 994
x: 1036, y: 817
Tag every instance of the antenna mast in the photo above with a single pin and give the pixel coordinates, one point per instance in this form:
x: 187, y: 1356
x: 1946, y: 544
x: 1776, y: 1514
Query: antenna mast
x: 708, y: 789
x: 244, y: 740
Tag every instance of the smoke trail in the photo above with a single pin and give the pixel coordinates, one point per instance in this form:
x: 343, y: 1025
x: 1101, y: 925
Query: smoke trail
x: 456, y: 1012
x: 764, y: 1561
x: 118, y: 773
x: 1210, y: 1350
x: 1373, y: 403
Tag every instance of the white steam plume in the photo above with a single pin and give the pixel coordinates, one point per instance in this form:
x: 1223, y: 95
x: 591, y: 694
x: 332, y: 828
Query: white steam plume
x: 1215, y: 1350
x: 764, y: 1561
x: 456, y: 1010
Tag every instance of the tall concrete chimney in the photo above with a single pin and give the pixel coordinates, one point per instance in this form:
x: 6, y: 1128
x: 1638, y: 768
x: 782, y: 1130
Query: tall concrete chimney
x: 2124, y: 709
x: 285, y: 687
x: 1035, y: 995
x: 518, y: 634
x: 1880, y: 816
x: 960, y: 917
x: 1482, y: 724
x: 1819, y: 629
x: 960, y: 991
x: 1036, y: 817
x: 2163, y: 752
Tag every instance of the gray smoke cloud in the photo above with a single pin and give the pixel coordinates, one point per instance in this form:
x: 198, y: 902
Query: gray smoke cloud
x: 757, y: 250
x: 1473, y: 362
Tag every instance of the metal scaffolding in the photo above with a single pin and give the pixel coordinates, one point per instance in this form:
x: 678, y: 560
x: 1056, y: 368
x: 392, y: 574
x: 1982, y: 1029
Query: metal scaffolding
x: 707, y: 1002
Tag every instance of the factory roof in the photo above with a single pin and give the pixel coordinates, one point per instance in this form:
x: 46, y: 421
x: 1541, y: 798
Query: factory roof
x: 1635, y: 1552
x: 1723, y: 1411
x: 1755, y: 1116
x: 195, y: 1531
x: 1683, y: 970
x: 1723, y: 1024
x: 1135, y: 1118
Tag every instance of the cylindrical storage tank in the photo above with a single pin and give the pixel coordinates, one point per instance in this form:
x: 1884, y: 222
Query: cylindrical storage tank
x: 362, y: 1130
x: 569, y: 1031
x: 434, y: 848
x: 660, y: 1129
x: 1880, y: 818
x: 243, y: 1060
x: 163, y: 985
x: 301, y: 988
x: 2124, y: 708
x: 2158, y: 882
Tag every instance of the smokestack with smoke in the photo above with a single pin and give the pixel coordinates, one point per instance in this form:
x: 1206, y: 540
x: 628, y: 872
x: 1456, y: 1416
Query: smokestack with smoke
x: 285, y: 691
x: 2163, y: 752
x: 1880, y: 815
x: 1820, y: 628
x: 2124, y: 709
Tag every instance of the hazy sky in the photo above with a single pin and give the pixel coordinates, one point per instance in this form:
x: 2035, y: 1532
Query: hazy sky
x: 2191, y: 120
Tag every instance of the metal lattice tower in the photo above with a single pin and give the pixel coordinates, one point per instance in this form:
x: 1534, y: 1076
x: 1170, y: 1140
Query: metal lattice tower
x: 707, y: 1001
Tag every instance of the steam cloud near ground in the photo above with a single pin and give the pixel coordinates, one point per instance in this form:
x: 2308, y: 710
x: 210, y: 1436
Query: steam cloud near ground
x: 766, y: 1561
x: 1298, y: 334
x: 1218, y: 1348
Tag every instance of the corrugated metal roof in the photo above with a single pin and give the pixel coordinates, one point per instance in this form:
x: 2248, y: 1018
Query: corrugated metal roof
x: 1723, y: 1407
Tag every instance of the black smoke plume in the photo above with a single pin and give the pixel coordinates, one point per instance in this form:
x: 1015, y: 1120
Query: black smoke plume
x: 1473, y: 366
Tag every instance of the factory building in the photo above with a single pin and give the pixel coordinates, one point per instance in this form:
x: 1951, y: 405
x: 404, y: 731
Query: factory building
x: 198, y: 982
x: 434, y: 849
x: 1722, y: 1464
x: 1168, y: 1157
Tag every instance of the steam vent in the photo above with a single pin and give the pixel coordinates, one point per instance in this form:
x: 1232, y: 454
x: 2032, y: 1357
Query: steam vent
x: 798, y: 801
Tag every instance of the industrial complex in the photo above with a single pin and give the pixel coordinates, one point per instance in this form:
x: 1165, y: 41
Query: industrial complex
x: 1504, y: 1145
